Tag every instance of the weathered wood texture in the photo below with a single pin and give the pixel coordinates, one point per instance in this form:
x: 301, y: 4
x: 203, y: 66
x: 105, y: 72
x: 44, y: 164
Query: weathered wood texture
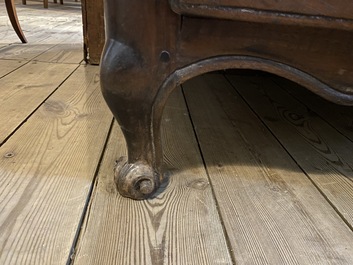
x: 179, y: 226
x: 62, y: 53
x: 271, y: 210
x: 58, y: 53
x: 7, y: 66
x: 46, y: 171
x: 323, y: 153
x: 24, y: 52
x: 42, y: 80
x: 48, y: 164
x: 340, y: 117
x: 254, y: 202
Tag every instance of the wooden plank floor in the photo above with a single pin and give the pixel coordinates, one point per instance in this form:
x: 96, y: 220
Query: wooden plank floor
x: 260, y: 170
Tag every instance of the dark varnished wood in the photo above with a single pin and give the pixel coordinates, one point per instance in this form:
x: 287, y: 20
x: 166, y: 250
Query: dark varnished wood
x: 93, y: 30
x: 320, y: 8
x: 152, y: 46
x: 314, y: 19
x: 11, y: 11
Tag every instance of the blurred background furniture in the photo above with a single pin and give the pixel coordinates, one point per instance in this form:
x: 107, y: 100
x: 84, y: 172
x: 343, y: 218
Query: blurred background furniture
x: 45, y: 2
x: 11, y: 11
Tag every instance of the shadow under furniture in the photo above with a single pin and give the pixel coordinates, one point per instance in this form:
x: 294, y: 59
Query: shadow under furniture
x: 153, y: 46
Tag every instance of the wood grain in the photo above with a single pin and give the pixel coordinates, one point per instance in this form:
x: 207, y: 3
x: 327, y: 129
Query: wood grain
x: 46, y: 170
x: 179, y: 226
x: 62, y: 53
x: 7, y: 66
x: 23, y: 90
x: 51, y: 53
x: 324, y: 154
x: 272, y: 212
x: 340, y: 117
x: 24, y: 52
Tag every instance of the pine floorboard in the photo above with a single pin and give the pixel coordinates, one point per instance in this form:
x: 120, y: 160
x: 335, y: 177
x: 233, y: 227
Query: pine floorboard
x: 7, y: 66
x: 51, y: 53
x: 318, y: 148
x: 21, y: 96
x: 338, y: 116
x: 179, y: 226
x: 47, y: 168
x: 24, y: 51
x: 264, y: 198
x: 259, y: 169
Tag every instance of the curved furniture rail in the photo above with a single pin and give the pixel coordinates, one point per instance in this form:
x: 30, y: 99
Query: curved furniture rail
x: 153, y: 46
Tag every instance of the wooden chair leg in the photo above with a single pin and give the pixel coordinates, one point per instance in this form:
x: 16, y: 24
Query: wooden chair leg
x: 55, y: 1
x: 45, y: 3
x: 11, y: 11
x: 61, y: 2
x: 24, y: 2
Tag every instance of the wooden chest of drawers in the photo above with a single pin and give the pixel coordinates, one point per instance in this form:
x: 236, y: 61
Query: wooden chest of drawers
x: 152, y: 46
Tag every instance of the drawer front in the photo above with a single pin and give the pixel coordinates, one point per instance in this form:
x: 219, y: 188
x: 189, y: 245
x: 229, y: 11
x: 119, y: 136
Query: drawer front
x: 325, y: 8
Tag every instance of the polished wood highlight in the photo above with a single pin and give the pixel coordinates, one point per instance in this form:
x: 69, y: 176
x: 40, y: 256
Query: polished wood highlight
x: 247, y: 182
x: 152, y: 47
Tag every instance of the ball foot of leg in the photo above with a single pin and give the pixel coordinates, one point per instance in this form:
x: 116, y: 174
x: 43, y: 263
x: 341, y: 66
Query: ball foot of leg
x: 137, y: 181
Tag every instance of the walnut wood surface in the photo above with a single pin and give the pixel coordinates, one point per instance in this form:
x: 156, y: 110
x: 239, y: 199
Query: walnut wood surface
x: 150, y: 50
x: 324, y: 54
x: 41, y: 234
x: 93, y: 30
x: 323, y: 8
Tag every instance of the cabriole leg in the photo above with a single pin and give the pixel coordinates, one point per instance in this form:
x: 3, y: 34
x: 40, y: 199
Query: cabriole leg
x: 129, y: 88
